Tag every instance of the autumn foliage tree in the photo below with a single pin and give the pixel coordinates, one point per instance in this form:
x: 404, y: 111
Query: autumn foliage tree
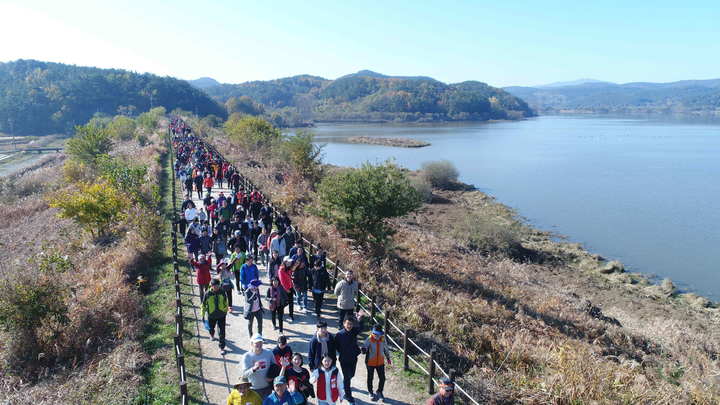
x: 95, y: 207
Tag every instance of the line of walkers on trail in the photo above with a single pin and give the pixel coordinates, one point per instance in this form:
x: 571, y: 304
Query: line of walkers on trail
x: 226, y: 236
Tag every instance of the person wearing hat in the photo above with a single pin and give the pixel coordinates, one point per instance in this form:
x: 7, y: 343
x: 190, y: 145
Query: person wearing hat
x: 285, y: 275
x: 284, y: 394
x: 377, y: 354
x: 226, y: 283
x: 446, y: 394
x: 253, y: 308
x: 321, y: 345
x: 255, y: 365
x: 215, y: 305
x: 237, y: 259
x: 243, y: 395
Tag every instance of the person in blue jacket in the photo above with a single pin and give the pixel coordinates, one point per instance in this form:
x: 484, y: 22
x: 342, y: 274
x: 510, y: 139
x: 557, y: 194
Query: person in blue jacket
x: 248, y: 272
x: 283, y: 394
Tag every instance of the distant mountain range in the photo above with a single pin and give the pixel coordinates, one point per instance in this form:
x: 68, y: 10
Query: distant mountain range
x: 204, y: 82
x: 594, y: 96
x: 372, y: 96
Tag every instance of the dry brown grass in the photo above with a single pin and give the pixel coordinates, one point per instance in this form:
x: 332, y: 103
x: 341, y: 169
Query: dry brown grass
x: 95, y: 357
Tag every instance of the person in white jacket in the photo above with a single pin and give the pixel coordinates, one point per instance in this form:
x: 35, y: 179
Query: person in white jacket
x: 328, y: 381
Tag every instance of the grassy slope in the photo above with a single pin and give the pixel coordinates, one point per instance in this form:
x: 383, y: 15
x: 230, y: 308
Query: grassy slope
x: 161, y: 377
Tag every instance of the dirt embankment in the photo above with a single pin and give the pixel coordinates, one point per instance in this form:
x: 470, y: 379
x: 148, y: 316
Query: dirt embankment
x: 553, y: 324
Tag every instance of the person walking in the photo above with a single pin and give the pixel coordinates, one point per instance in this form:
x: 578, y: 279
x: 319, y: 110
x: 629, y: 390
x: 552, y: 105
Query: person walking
x: 237, y: 259
x: 377, y: 355
x: 300, y: 277
x: 286, y: 281
x: 255, y: 365
x: 249, y: 271
x: 319, y: 282
x: 322, y: 344
x: 215, y: 306
x: 445, y: 395
x: 208, y: 182
x: 348, y: 351
x: 283, y: 352
x: 243, y: 395
x: 277, y: 300
x: 346, y: 291
x: 299, y: 375
x: 327, y: 378
x: 284, y: 394
x: 226, y: 283
x: 202, y: 273
x: 253, y: 308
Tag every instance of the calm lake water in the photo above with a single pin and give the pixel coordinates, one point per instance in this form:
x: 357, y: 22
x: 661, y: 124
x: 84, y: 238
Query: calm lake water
x: 642, y: 191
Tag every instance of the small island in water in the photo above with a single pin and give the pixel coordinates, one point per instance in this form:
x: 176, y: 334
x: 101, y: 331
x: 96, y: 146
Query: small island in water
x: 399, y: 142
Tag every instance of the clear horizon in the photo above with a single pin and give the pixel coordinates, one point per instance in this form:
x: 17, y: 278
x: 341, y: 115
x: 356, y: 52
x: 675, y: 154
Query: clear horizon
x: 516, y: 44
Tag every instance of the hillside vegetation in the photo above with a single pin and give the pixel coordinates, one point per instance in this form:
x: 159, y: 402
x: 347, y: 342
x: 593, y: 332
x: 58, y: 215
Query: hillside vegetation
x: 687, y: 96
x: 372, y: 96
x: 39, y: 98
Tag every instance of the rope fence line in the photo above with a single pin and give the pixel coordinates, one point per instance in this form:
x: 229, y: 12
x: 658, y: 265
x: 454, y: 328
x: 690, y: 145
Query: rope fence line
x: 178, y: 338
x: 375, y: 311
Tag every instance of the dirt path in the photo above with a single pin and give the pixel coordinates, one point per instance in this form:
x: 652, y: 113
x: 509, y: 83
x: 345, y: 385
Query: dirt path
x: 220, y: 372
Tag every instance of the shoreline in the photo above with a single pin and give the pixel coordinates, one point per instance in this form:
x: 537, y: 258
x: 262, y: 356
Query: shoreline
x: 578, y: 257
x: 388, y: 141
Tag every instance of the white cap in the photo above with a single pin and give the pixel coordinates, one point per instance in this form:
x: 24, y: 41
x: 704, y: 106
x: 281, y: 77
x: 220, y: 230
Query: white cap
x: 257, y: 338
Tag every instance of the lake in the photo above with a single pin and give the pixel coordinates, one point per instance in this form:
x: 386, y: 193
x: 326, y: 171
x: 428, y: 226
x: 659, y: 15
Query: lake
x: 644, y: 191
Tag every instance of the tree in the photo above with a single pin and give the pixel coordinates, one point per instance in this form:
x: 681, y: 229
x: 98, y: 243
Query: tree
x: 440, y: 173
x: 251, y: 132
x: 303, y: 155
x: 360, y: 201
x: 124, y: 176
x: 95, y: 207
x: 122, y: 127
x: 243, y: 105
x: 89, y: 142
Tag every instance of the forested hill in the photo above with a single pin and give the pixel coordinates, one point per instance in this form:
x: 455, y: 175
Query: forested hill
x: 368, y: 95
x: 38, y: 98
x: 687, y: 96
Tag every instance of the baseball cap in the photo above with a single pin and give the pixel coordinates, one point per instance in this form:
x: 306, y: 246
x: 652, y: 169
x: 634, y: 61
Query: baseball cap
x: 257, y: 338
x: 279, y: 380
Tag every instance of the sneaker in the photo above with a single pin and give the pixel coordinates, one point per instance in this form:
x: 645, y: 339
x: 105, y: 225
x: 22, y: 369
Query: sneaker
x: 381, y: 397
x: 223, y: 352
x: 374, y: 397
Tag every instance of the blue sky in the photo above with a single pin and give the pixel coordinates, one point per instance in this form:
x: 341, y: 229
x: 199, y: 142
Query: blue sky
x: 514, y: 43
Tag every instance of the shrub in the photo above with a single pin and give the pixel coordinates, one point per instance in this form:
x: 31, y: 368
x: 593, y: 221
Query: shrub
x: 74, y: 171
x: 423, y: 188
x: 30, y: 304
x: 359, y: 201
x: 142, y: 139
x: 489, y: 237
x: 95, y: 207
x: 251, y: 132
x: 303, y: 155
x: 124, y: 176
x: 440, y: 173
x: 88, y: 143
x: 148, y: 120
x: 122, y: 127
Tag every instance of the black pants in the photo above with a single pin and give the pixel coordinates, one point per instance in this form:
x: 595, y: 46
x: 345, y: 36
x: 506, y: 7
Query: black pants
x: 209, y: 190
x: 259, y: 316
x: 182, y: 224
x: 199, y: 191
x: 343, y: 314
x: 237, y: 281
x: 318, y: 299
x: 278, y: 314
x: 229, y: 294
x: 291, y: 307
x: 381, y: 375
x: 348, y: 371
x: 221, y: 327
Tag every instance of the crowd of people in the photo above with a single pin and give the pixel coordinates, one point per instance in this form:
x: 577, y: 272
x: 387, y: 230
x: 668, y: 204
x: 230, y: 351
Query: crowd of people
x: 225, y: 238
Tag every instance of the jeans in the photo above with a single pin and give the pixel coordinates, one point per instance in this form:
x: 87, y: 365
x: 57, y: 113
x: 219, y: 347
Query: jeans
x: 348, y: 371
x: 302, y: 298
x: 381, y: 375
x: 318, y: 298
x: 221, y: 327
x: 255, y: 315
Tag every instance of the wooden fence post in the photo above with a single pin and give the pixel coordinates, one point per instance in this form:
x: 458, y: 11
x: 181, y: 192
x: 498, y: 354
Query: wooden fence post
x: 406, y: 363
x: 431, y: 377
x: 452, y: 374
x: 337, y: 266
x: 357, y: 299
x: 372, y: 309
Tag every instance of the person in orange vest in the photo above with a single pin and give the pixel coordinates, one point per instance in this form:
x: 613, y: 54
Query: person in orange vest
x: 328, y: 382
x: 208, y: 183
x: 376, y: 355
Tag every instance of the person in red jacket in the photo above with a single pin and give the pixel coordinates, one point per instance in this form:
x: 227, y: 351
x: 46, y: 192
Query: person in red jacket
x: 202, y: 275
x: 286, y: 281
x: 208, y: 183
